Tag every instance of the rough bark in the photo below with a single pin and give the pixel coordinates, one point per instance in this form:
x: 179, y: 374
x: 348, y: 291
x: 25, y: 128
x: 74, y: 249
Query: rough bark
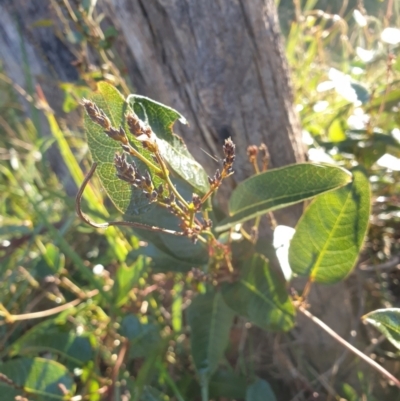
x: 220, y: 63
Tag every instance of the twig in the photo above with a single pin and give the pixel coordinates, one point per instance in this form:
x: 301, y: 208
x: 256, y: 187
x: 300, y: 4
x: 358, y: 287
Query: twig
x: 37, y: 315
x: 350, y: 347
x: 390, y: 264
x: 117, y: 367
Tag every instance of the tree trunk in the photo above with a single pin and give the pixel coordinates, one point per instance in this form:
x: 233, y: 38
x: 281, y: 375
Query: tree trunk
x: 221, y: 64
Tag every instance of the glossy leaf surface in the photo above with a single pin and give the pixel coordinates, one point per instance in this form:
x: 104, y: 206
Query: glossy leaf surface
x: 278, y: 188
x: 331, y: 232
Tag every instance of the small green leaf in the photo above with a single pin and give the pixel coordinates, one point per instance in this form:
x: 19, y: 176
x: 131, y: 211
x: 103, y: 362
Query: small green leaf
x: 331, y: 232
x: 387, y: 321
x: 279, y: 188
x: 260, y: 390
x: 260, y: 296
x: 37, y: 377
x: 210, y: 322
x: 125, y: 280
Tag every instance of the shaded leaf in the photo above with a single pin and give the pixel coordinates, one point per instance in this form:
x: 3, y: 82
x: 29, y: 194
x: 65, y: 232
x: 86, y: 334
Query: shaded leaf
x: 387, y: 321
x: 210, y: 321
x: 227, y: 384
x: 37, y: 377
x: 143, y: 337
x: 261, y: 296
x: 163, y: 261
x: 331, y: 232
x: 260, y: 390
x: 279, y: 188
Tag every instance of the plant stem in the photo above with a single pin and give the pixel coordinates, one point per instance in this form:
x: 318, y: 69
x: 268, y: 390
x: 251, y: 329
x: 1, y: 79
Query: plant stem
x: 38, y: 315
x: 350, y: 347
x: 135, y: 153
x: 171, y: 186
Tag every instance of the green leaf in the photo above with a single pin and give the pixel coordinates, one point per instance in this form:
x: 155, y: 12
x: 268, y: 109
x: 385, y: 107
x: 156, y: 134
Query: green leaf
x: 210, y: 322
x: 163, y: 261
x: 161, y: 119
x: 51, y: 337
x: 143, y: 337
x: 387, y: 321
x: 36, y: 377
x: 103, y: 149
x: 260, y: 390
x: 126, y: 278
x: 336, y: 132
x: 331, y: 232
x: 279, y: 188
x: 261, y: 296
x: 227, y: 384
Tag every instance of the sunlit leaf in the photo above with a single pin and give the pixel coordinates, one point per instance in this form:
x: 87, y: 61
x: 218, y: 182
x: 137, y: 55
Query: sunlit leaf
x: 261, y: 296
x: 279, y: 188
x: 331, y: 232
x: 126, y: 198
x: 161, y: 118
x: 387, y: 321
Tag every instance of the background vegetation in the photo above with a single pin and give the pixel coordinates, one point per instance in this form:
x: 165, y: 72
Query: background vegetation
x: 121, y: 330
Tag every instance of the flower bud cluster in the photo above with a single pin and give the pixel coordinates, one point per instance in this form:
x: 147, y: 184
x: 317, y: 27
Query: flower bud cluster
x: 229, y: 152
x: 99, y: 117
x: 129, y: 173
x: 252, y: 152
x: 227, y: 169
x: 142, y: 132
